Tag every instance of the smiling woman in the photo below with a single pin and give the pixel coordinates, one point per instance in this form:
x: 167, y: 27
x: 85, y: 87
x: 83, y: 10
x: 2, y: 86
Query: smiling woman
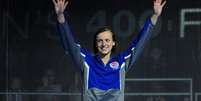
x: 104, y: 73
x: 30, y: 45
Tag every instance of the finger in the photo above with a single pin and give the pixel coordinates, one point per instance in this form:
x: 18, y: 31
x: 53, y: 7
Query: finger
x: 65, y: 4
x: 157, y: 1
x: 163, y: 3
x: 154, y: 1
x: 55, y: 3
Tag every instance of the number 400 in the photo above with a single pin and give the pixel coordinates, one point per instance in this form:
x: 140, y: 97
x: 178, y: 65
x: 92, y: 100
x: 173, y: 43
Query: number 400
x: 119, y: 21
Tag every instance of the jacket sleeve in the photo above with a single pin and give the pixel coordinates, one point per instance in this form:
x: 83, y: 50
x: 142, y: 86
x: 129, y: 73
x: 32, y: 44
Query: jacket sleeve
x: 136, y: 47
x: 69, y: 44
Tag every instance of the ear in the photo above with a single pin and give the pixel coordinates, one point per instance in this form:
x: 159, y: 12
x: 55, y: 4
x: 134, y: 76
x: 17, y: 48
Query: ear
x: 113, y: 44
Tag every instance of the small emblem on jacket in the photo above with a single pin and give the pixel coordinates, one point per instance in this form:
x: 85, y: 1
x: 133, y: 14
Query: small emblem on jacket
x: 114, y: 65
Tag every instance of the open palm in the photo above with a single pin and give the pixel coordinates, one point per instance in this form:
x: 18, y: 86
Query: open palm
x: 60, y: 6
x: 158, y: 6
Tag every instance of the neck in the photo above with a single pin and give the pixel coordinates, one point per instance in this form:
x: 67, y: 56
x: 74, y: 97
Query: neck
x: 105, y: 58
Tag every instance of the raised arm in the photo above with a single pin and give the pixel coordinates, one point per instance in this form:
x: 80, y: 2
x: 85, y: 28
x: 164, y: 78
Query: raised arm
x: 65, y: 32
x: 133, y: 52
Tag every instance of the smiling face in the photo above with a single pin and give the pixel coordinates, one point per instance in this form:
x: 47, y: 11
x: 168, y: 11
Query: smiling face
x: 104, y: 43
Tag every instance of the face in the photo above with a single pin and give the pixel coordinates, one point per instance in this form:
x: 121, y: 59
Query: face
x: 104, y: 42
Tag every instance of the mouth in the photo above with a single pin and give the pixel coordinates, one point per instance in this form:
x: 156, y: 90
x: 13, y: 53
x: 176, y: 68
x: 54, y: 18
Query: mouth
x: 104, y: 48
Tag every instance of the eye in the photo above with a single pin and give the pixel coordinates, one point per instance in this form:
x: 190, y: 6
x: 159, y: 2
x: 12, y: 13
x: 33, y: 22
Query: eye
x: 99, y: 40
x: 107, y: 40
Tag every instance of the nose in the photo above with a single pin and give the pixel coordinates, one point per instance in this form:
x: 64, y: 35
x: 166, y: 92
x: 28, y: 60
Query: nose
x: 104, y: 43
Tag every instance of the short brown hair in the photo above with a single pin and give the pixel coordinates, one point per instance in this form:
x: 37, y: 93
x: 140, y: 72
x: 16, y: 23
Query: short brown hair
x: 100, y: 30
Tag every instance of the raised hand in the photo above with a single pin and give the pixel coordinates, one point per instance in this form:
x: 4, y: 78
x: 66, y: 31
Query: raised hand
x: 158, y: 6
x: 60, y: 6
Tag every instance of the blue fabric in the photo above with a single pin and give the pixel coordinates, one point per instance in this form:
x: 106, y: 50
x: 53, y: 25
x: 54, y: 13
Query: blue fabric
x: 96, y: 74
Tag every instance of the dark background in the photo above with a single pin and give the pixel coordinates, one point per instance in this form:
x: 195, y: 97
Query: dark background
x: 29, y: 44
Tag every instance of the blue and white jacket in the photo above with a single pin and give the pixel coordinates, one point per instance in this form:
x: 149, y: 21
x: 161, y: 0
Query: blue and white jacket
x: 104, y: 82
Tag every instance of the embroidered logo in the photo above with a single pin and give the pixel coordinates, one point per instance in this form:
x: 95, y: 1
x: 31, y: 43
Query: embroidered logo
x: 114, y: 65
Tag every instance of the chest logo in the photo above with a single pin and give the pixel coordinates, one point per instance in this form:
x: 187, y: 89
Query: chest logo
x: 114, y: 65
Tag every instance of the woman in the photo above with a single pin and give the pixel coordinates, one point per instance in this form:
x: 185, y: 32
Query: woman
x: 103, y: 73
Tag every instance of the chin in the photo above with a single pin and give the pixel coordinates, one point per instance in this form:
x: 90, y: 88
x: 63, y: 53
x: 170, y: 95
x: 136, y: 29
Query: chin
x: 104, y: 53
